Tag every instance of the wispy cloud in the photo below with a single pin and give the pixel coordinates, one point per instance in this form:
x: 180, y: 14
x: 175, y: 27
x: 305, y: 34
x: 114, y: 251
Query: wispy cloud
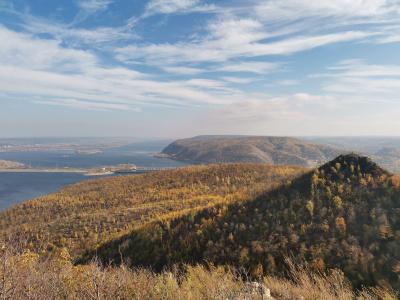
x: 216, y: 85
x: 296, y: 9
x: 284, y: 82
x: 75, y: 36
x: 90, y: 7
x: 260, y: 109
x: 48, y: 71
x: 131, y: 64
x: 240, y: 79
x: 79, y: 104
x: 229, y: 40
x: 184, y: 70
x: 288, y: 82
x: 357, y: 77
x: 93, y: 6
x: 120, y: 88
x: 257, y: 67
x: 29, y: 52
x: 358, y: 68
x: 175, y: 6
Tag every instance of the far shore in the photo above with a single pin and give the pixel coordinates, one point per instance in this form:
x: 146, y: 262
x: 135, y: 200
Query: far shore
x: 88, y: 172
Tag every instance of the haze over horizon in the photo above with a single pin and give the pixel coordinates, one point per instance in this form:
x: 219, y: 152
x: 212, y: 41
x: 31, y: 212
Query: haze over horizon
x: 180, y: 68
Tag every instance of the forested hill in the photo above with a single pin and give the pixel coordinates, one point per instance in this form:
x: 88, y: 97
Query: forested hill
x: 344, y: 215
x: 268, y: 150
x: 88, y: 214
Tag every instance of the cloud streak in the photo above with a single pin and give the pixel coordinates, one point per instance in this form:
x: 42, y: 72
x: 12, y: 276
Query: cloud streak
x: 276, y: 10
x: 175, y: 6
x: 78, y: 104
x: 356, y: 77
x: 90, y: 7
x: 222, y: 49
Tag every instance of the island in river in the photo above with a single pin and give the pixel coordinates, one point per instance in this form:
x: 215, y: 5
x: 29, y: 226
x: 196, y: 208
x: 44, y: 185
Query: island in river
x: 6, y: 164
x: 93, y: 151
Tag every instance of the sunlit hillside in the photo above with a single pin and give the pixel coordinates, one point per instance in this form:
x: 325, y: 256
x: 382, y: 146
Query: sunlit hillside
x: 249, y: 149
x: 88, y: 214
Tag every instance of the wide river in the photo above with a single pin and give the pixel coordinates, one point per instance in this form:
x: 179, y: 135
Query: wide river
x: 19, y: 187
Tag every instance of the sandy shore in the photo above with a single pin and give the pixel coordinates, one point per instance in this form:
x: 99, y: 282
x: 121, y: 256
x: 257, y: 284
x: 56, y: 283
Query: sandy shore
x: 98, y: 174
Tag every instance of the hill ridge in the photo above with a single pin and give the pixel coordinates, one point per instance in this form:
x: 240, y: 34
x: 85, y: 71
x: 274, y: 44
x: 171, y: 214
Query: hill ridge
x: 332, y: 219
x: 90, y: 213
x: 353, y: 161
x: 253, y: 149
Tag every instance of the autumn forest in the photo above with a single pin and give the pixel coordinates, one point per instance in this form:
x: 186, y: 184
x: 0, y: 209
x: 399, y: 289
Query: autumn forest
x: 308, y: 230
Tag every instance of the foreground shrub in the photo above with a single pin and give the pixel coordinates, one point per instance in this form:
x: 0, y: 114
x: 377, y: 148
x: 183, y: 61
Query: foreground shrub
x: 27, y: 275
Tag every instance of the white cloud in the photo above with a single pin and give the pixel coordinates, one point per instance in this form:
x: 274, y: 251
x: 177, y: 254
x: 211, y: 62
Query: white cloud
x: 364, y: 86
x: 239, y: 79
x: 225, y: 39
x: 356, y: 77
x: 287, y: 82
x: 275, y: 10
x: 302, y: 43
x: 389, y: 39
x: 94, y: 6
x: 257, y: 67
x: 56, y: 72
x: 357, y: 68
x: 74, y: 103
x: 228, y: 40
x: 46, y: 70
x: 217, y: 85
x: 76, y: 37
x: 175, y: 6
x: 90, y: 7
x: 236, y: 32
x: 258, y: 109
x: 183, y: 70
x: 116, y: 89
x: 30, y: 52
x: 206, y: 83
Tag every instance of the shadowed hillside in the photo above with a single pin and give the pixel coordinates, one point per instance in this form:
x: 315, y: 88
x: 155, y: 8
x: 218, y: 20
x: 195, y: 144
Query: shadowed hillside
x: 343, y: 215
x: 267, y: 150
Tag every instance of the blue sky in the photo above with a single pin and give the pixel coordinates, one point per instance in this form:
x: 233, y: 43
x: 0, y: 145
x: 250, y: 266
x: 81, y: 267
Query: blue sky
x: 179, y: 68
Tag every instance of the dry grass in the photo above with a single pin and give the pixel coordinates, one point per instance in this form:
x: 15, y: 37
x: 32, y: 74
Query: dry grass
x: 25, y: 275
x: 304, y: 284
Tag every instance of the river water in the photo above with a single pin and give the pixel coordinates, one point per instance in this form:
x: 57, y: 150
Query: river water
x: 19, y: 187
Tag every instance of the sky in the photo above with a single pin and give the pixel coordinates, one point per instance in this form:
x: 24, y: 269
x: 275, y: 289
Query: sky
x: 180, y: 68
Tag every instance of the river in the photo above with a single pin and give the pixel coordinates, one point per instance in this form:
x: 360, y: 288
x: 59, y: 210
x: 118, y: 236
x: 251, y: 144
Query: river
x: 19, y: 187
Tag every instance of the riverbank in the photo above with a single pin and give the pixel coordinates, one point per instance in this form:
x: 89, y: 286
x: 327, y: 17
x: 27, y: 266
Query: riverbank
x: 88, y: 172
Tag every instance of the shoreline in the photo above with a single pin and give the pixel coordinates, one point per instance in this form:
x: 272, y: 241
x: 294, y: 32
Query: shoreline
x: 87, y: 172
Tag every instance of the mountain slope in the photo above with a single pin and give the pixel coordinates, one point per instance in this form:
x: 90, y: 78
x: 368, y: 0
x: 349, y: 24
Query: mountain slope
x: 344, y: 215
x: 268, y: 150
x: 88, y: 214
